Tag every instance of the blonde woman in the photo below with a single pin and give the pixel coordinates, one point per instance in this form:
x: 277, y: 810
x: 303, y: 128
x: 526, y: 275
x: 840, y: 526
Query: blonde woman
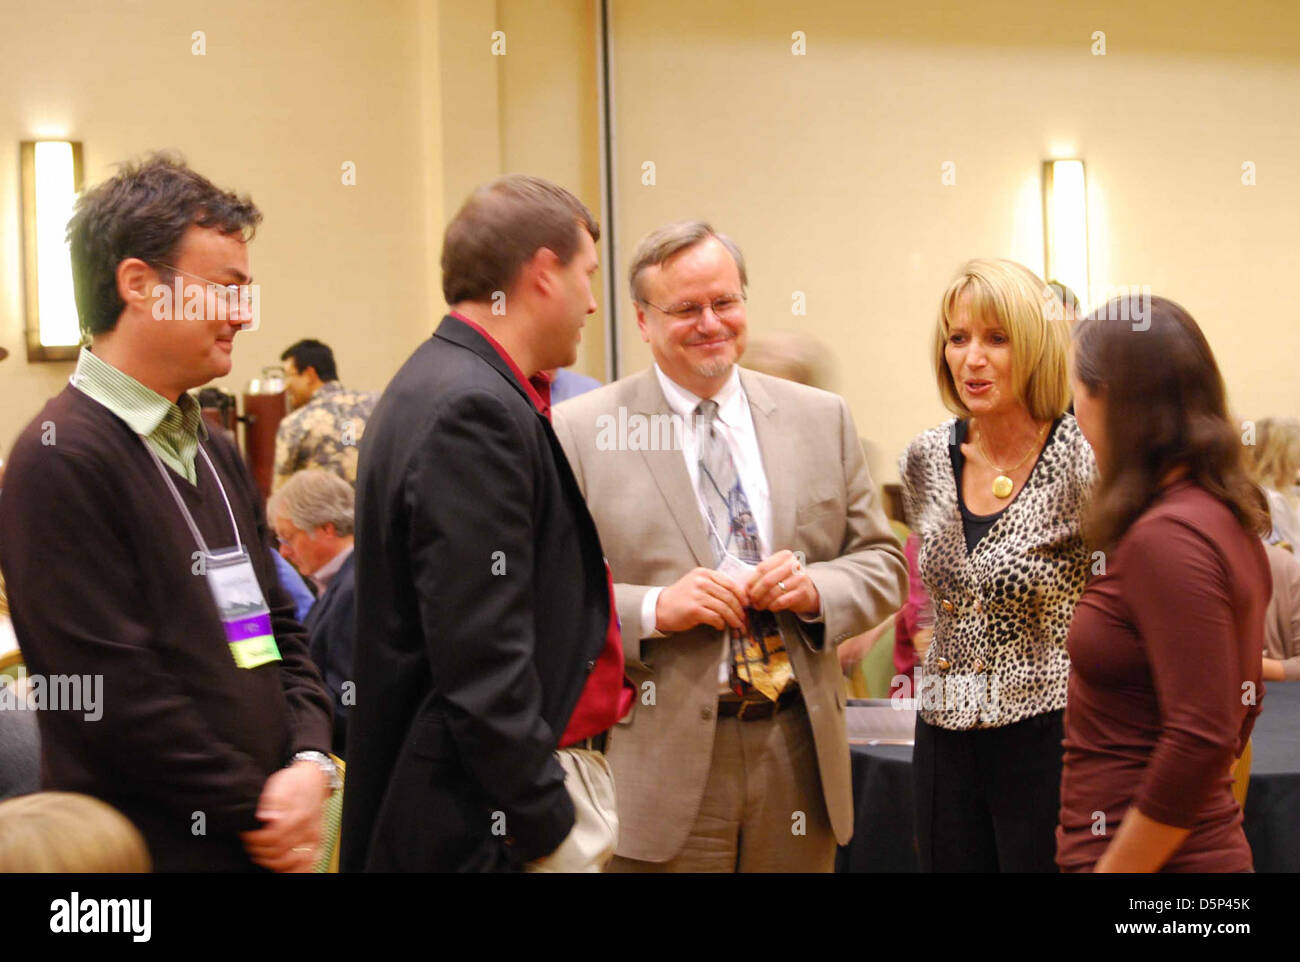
x: 1274, y: 459
x: 996, y: 496
x: 68, y: 832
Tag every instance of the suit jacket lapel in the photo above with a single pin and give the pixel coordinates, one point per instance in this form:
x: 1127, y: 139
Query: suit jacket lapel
x: 778, y: 463
x: 668, y: 469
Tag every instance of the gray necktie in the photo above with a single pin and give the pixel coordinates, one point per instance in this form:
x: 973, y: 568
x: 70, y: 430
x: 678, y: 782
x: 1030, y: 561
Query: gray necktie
x: 758, y: 656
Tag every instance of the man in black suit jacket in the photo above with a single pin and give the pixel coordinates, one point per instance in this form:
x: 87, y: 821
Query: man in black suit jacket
x: 483, y: 604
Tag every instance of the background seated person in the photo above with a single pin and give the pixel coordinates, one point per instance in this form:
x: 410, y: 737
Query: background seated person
x: 1282, y: 620
x: 312, y: 518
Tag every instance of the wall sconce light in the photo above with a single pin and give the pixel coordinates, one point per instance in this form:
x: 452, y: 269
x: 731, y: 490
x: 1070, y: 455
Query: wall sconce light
x: 1065, y: 226
x: 51, y: 180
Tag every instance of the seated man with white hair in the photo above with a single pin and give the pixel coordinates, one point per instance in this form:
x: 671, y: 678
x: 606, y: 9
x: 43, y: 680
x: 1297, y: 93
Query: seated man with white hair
x: 312, y: 517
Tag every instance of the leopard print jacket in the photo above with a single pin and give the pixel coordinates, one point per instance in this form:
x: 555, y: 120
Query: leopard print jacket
x: 1002, y: 611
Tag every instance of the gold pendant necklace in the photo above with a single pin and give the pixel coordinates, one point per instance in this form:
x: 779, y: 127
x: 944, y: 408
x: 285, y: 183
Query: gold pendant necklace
x: 1003, y: 485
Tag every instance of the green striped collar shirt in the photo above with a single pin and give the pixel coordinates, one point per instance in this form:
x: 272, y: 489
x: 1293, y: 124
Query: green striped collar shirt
x: 172, y: 431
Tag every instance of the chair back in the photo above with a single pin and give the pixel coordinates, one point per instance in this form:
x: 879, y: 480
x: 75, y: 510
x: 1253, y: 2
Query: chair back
x: 877, y: 668
x: 1241, y: 775
x: 328, y: 860
x: 10, y: 662
x: 901, y: 531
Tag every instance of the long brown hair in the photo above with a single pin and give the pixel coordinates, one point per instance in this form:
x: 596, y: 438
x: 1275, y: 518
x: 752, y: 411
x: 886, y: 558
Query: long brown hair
x: 1166, y: 407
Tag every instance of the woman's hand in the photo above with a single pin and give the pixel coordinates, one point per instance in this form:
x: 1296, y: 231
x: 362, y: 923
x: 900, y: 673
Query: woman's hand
x: 1141, y: 845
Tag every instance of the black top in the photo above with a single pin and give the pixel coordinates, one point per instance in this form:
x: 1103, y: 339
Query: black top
x: 976, y: 526
x: 100, y: 569
x: 482, y: 606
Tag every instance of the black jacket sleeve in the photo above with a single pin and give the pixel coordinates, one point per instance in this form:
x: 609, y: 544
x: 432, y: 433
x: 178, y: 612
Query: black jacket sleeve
x: 470, y: 491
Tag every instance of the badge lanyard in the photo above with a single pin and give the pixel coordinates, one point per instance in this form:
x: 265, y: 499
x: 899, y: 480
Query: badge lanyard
x: 189, y: 518
x: 231, y: 580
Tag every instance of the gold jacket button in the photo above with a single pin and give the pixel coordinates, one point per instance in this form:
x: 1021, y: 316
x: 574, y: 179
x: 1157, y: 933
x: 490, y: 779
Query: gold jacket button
x: 948, y: 606
x: 706, y: 712
x: 943, y: 664
x: 979, y: 664
x: 979, y: 608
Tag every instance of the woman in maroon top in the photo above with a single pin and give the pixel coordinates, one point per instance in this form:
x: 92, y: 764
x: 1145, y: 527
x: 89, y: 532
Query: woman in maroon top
x: 1164, y: 644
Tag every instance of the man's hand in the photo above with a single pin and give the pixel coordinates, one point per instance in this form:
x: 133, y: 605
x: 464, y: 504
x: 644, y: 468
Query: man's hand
x: 701, y: 597
x: 290, y: 809
x: 1273, y: 670
x: 781, y: 583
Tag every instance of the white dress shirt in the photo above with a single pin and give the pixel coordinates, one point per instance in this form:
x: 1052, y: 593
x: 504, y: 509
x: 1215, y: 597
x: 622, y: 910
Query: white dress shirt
x: 323, y: 575
x: 734, y: 424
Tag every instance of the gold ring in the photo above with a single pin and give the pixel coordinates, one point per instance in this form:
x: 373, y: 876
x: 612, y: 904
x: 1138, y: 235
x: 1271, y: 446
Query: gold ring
x: 302, y: 848
x: 781, y: 585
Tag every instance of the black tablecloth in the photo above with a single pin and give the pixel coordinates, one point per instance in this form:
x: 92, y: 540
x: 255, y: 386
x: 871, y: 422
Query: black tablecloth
x: 882, y: 796
x: 1273, y: 798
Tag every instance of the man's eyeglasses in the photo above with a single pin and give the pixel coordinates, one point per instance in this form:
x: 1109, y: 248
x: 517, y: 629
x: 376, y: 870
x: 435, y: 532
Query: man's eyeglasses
x: 232, y: 300
x: 726, y: 307
x: 284, y: 542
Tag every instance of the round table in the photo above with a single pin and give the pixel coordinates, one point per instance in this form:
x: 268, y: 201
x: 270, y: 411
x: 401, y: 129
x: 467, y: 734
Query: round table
x: 883, y: 837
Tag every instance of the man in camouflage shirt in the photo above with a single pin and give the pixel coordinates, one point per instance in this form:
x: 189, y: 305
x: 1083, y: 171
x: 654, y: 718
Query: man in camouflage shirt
x: 327, y: 421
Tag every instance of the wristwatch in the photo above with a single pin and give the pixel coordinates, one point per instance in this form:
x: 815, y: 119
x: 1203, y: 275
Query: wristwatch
x: 325, y: 764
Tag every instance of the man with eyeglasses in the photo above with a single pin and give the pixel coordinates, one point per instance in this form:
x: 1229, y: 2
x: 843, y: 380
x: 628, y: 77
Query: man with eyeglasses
x: 313, y: 517
x: 742, y: 555
x: 137, y: 551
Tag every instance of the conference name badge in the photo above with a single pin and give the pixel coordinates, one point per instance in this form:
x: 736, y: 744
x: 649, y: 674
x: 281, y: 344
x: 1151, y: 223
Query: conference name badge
x: 241, y: 607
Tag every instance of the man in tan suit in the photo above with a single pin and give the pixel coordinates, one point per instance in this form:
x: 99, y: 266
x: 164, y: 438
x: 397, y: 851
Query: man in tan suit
x: 746, y: 541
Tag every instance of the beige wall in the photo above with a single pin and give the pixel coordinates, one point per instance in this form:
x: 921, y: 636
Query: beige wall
x: 286, y: 93
x: 471, y: 97
x: 523, y: 104
x: 827, y: 167
x: 408, y: 90
x: 549, y: 120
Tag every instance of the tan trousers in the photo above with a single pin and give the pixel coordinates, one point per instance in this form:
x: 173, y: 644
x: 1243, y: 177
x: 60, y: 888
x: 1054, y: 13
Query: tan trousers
x: 763, y: 809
